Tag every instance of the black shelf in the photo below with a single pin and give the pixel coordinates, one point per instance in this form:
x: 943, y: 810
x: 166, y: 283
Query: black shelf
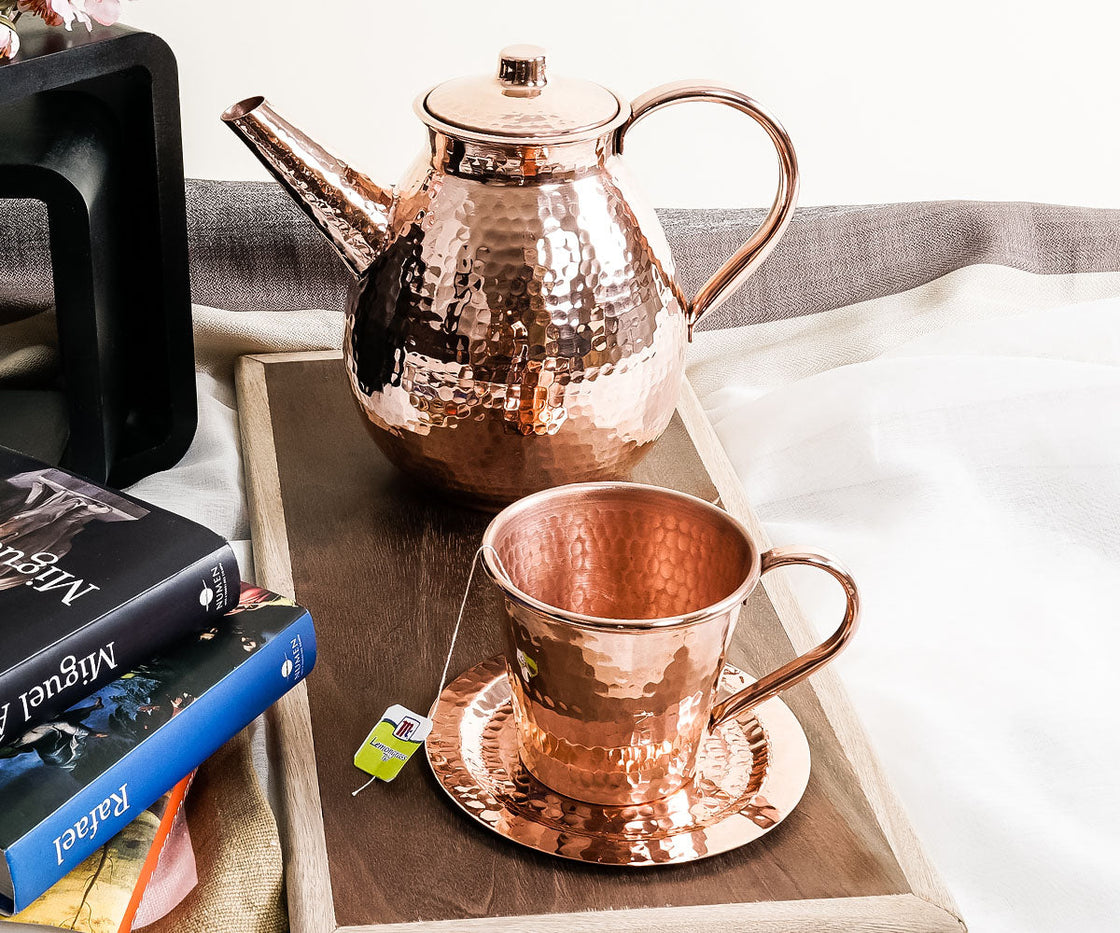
x: 91, y: 128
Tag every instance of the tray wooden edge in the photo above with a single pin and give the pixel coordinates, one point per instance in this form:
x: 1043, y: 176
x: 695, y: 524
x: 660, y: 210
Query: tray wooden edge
x: 899, y: 913
x: 291, y: 741
x: 929, y: 908
x: 272, y: 563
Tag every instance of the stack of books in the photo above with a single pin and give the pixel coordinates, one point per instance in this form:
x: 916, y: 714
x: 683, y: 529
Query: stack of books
x: 130, y: 651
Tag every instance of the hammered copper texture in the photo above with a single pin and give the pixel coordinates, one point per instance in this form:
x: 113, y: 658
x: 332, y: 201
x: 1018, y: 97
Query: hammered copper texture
x: 522, y: 100
x: 345, y: 205
x: 632, y: 555
x: 621, y: 601
x: 522, y: 328
x: 751, y: 774
x: 515, y: 323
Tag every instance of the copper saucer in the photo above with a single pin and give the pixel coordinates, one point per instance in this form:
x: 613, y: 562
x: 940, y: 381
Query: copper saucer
x: 752, y: 774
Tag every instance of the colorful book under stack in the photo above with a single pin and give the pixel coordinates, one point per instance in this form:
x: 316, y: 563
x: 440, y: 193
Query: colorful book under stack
x: 104, y: 893
x: 125, y: 661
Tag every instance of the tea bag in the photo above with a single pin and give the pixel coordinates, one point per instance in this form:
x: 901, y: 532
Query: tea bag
x: 400, y: 732
x: 389, y: 745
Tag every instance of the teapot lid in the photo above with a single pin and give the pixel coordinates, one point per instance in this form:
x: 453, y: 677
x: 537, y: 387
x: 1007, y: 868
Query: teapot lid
x: 521, y: 102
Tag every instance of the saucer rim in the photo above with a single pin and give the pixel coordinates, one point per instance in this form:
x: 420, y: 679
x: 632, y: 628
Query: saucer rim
x: 794, y: 764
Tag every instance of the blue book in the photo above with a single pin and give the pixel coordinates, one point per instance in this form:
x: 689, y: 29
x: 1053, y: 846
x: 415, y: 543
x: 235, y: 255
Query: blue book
x: 69, y: 785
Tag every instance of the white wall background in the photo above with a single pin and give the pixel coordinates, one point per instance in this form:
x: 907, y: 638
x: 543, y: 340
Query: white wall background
x: 886, y: 100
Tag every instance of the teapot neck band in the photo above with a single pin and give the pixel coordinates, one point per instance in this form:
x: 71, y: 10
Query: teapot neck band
x: 519, y: 163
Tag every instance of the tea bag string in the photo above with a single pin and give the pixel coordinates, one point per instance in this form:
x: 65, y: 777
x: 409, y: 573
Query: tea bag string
x: 463, y: 609
x: 455, y: 630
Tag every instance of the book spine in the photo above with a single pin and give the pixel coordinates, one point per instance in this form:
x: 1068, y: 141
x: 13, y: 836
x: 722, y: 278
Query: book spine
x: 104, y: 807
x: 98, y: 653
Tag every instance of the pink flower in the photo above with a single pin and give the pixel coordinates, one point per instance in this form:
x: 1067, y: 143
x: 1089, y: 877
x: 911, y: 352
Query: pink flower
x: 66, y: 12
x: 9, y: 42
x: 52, y: 12
x: 106, y: 12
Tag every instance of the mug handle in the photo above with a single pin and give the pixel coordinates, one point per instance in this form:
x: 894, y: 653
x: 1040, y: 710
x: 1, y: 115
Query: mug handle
x: 811, y: 661
x: 735, y: 271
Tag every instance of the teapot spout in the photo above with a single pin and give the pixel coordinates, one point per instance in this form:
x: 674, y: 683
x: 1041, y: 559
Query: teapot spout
x: 344, y: 204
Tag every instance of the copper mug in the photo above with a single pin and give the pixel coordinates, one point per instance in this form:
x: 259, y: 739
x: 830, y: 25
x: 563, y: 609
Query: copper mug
x: 621, y: 601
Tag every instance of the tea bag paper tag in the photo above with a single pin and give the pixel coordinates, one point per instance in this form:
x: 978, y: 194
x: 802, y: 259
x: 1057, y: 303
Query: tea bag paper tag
x: 392, y: 742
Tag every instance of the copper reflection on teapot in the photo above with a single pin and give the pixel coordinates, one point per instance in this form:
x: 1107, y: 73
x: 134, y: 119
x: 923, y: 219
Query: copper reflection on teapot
x: 514, y: 321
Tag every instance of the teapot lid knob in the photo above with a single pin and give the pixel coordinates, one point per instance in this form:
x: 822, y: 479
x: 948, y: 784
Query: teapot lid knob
x: 520, y: 103
x: 522, y: 66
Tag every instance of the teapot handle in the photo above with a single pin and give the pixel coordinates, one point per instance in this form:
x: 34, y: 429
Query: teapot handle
x: 735, y: 271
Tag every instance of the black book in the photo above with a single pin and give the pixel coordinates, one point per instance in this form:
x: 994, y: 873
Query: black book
x: 92, y: 582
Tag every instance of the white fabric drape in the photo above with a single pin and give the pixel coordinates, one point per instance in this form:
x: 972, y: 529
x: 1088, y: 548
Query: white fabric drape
x: 958, y: 446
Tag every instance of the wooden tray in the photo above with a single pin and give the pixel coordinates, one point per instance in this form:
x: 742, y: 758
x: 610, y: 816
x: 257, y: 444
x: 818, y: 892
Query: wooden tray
x: 382, y: 565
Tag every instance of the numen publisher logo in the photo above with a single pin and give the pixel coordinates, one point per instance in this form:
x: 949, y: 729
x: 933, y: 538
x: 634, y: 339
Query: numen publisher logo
x: 215, y: 591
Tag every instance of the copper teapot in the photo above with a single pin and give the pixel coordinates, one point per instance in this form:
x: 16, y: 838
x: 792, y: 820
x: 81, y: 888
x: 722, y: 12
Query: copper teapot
x: 514, y: 322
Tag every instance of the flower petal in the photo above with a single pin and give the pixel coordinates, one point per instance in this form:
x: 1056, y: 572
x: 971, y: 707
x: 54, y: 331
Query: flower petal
x: 106, y: 12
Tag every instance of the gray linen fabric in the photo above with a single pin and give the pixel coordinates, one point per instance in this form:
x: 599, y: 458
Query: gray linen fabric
x: 25, y: 275
x: 253, y: 249
x: 836, y: 256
